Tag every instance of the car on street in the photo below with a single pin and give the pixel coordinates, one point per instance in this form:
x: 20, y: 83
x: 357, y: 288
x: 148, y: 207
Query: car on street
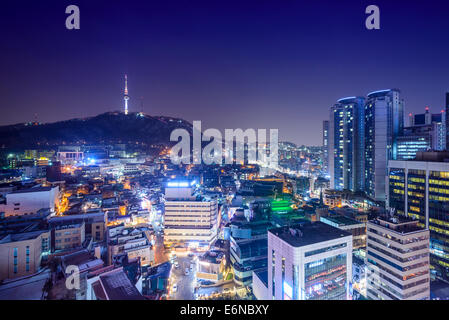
x: 186, y: 272
x: 175, y: 287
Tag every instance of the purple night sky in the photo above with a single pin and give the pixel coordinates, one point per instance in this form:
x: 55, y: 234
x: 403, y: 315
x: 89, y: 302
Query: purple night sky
x: 246, y: 63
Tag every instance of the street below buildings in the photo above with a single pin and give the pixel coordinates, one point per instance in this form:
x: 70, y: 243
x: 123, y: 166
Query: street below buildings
x: 185, y: 283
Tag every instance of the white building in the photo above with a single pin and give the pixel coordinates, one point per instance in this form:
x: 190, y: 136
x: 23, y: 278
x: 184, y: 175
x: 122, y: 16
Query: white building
x: 188, y: 218
x: 29, y: 201
x: 397, y: 260
x: 306, y: 262
x: 70, y: 155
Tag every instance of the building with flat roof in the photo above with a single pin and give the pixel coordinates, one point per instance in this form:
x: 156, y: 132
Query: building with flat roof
x: 397, y: 259
x: 94, y: 223
x: 187, y: 218
x: 420, y: 189
x: 211, y: 266
x: 308, y: 262
x: 21, y: 253
x: 248, y: 248
x: 133, y: 242
x: 69, y: 236
x: 356, y: 228
x: 29, y: 201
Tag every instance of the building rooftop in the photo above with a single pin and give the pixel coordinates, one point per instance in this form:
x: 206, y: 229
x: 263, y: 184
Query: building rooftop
x: 83, y: 259
x: 36, y: 189
x: 432, y: 156
x: 69, y: 226
x: 117, y: 286
x: 341, y: 220
x: 307, y: 234
x: 22, y: 236
x: 400, y: 224
x: 212, y: 256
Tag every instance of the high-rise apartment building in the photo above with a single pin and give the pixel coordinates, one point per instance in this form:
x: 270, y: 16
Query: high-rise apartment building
x: 420, y: 189
x: 326, y: 146
x: 384, y: 122
x: 447, y: 121
x: 346, y: 144
x: 397, y: 259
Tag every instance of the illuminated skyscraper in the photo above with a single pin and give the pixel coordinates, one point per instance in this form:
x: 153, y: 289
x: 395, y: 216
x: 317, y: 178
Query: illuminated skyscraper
x: 125, y: 96
x: 346, y: 144
x: 326, y: 146
x: 419, y: 189
x: 384, y: 122
x: 447, y: 121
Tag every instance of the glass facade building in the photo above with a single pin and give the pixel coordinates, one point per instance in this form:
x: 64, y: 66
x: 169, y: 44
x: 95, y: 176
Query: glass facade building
x: 420, y: 190
x: 326, y: 146
x: 346, y: 144
x: 384, y: 123
x: 408, y: 146
x: 248, y: 249
x: 325, y: 279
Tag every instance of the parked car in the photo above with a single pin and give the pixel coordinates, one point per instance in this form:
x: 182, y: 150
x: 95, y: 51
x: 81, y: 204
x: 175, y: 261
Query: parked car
x: 175, y: 287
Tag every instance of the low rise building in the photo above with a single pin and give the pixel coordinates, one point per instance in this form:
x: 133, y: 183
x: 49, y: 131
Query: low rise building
x: 211, y: 266
x: 30, y: 201
x: 69, y: 236
x: 132, y: 241
x: 21, y: 253
x: 356, y: 228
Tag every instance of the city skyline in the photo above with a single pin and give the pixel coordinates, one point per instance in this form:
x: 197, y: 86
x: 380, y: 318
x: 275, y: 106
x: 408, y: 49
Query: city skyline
x: 261, y: 66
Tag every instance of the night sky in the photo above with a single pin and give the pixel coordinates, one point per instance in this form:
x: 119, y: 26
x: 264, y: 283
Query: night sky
x: 249, y: 64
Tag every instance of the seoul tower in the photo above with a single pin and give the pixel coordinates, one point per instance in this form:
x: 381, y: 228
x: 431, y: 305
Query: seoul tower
x: 125, y: 96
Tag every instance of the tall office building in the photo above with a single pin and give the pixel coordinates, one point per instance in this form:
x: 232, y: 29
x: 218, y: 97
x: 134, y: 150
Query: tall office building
x: 346, y: 144
x: 384, y: 122
x: 326, y: 145
x: 188, y: 219
x: 397, y: 259
x: 447, y: 121
x: 306, y: 262
x: 420, y: 189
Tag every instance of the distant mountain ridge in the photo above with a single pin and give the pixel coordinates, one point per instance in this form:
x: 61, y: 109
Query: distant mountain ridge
x: 106, y: 128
